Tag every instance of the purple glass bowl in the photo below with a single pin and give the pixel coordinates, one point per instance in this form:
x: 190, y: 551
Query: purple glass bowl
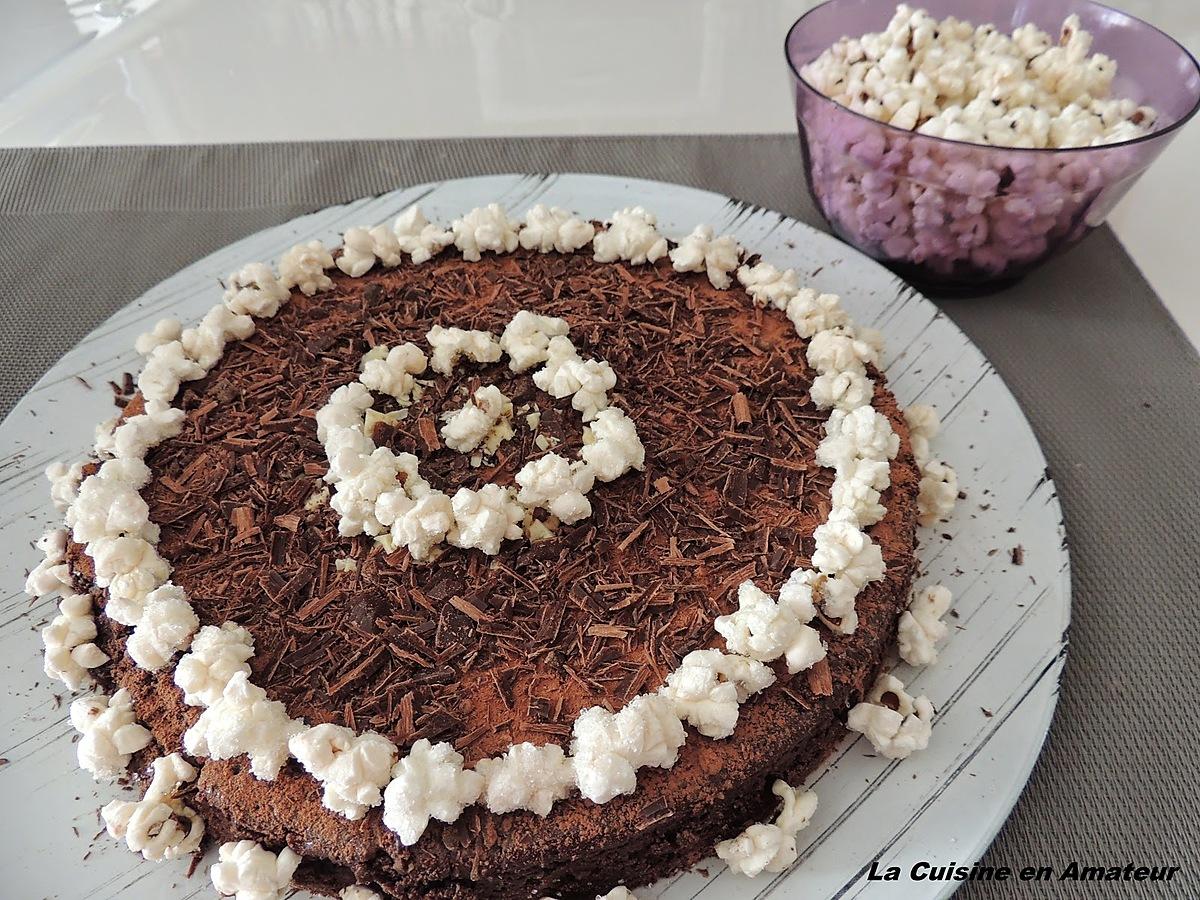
x: 963, y: 218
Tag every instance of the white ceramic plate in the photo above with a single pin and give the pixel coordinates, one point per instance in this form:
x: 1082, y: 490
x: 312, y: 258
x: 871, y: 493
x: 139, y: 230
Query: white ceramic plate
x: 994, y: 687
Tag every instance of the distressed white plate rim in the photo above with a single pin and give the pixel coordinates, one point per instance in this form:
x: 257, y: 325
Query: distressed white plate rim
x: 1004, y: 657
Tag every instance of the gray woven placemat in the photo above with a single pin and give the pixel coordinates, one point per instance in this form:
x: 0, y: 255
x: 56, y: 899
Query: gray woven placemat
x: 1103, y: 373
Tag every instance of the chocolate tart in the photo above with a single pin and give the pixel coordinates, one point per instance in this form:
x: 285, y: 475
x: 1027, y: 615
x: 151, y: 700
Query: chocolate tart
x: 486, y: 651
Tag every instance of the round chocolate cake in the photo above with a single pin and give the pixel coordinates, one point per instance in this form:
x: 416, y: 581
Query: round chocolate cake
x: 474, y: 651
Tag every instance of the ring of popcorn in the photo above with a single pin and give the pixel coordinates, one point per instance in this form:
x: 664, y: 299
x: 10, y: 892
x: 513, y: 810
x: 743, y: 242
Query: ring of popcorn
x: 379, y: 492
x: 382, y: 494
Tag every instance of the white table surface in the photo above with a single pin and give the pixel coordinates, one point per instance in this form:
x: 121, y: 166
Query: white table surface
x: 205, y: 71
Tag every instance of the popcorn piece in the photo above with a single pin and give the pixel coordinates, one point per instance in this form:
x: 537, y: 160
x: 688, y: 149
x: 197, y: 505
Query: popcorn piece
x: 361, y: 474
x: 921, y: 625
x: 255, y: 291
x: 244, y: 721
x: 798, y: 809
x: 64, y: 483
x: 701, y: 252
x: 526, y: 777
x: 849, y: 559
x: 205, y: 343
x: 130, y: 568
x: 858, y: 498
x: 215, y: 656
x: 108, y: 504
x: 166, y: 368
x: 632, y: 236
x: 304, y: 267
x: 483, y: 229
x: 424, y: 525
x: 860, y: 433
x: 386, y: 246
x: 771, y: 847
x: 761, y: 847
x: 764, y: 630
x: 393, y: 504
x: 344, y: 409
x: 708, y: 686
x: 166, y: 626
x: 52, y: 575
x: 110, y: 734
x: 526, y: 338
x: 485, y: 518
x: 703, y: 701
x: 357, y: 892
x: 608, y: 748
x: 348, y: 449
x: 547, y: 229
x: 165, y: 331
x: 556, y: 376
x: 557, y: 486
x: 587, y: 382
x: 843, y: 550
x: 811, y: 312
x: 799, y: 593
x: 466, y: 428
x: 394, y: 374
x: 841, y: 350
x: 352, y: 768
x: 429, y: 783
x: 767, y: 285
x: 69, y: 642
x: 134, y: 437
x: 596, y: 378
x: 449, y: 344
x: 892, y: 720
x: 358, y: 252
x: 615, y: 448
x: 153, y: 826
x: 248, y: 871
x: 939, y: 492
x: 836, y: 594
x: 923, y: 426
x: 418, y: 238
x: 842, y: 390
x: 874, y: 472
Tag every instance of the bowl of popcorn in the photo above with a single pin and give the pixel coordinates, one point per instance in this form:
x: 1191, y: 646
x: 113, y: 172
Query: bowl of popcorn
x: 963, y: 143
